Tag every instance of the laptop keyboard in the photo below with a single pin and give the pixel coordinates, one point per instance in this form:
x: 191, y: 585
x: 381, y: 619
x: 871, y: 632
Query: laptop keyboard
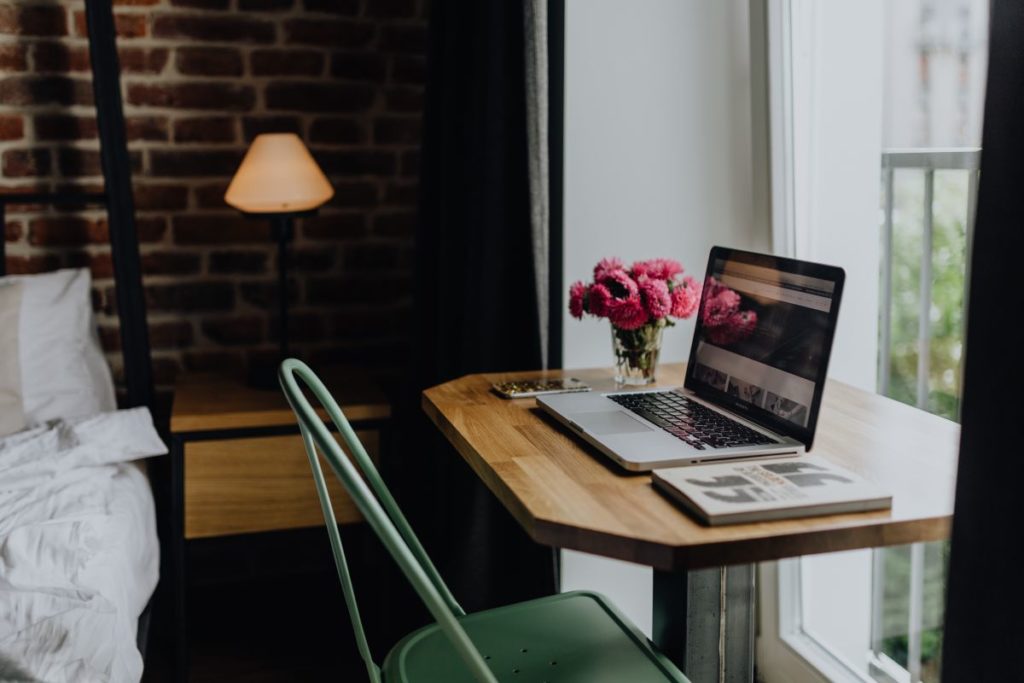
x: 690, y: 421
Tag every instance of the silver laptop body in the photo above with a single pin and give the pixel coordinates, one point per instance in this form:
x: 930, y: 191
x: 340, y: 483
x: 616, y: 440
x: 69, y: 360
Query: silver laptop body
x: 753, y: 393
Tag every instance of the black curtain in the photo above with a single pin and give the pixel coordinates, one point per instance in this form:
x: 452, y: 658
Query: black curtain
x: 475, y: 295
x: 985, y: 602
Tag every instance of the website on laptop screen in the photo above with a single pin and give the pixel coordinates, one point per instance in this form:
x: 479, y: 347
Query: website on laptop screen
x: 763, y: 335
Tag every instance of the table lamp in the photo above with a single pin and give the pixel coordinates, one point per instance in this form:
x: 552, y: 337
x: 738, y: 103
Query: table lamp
x: 278, y: 180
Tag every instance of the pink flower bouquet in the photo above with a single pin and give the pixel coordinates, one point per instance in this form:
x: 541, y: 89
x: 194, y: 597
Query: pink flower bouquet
x: 639, y: 301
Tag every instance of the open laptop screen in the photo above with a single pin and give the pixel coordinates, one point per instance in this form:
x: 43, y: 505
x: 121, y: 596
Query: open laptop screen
x: 764, y: 336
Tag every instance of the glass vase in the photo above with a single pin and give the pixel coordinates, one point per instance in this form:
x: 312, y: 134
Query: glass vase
x: 636, y: 353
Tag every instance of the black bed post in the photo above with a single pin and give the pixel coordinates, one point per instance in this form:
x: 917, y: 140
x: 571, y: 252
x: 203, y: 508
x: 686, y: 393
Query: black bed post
x: 124, y: 241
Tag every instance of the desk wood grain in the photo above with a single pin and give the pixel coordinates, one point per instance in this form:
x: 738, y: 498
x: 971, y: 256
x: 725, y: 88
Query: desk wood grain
x: 568, y: 495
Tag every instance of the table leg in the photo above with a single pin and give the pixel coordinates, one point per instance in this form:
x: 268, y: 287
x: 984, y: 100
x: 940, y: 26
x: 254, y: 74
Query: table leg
x: 704, y: 622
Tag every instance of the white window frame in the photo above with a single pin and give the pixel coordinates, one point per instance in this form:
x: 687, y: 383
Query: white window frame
x: 787, y: 650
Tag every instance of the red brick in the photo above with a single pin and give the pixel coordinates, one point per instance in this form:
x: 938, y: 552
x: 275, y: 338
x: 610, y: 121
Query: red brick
x: 221, y: 29
x: 286, y: 63
x: 42, y: 90
x: 404, y: 99
x: 170, y: 263
x: 257, y: 125
x: 208, y: 61
x: 143, y: 60
x: 135, y: 2
x: 12, y: 231
x: 349, y: 194
x: 219, y: 96
x: 175, y: 334
x: 150, y: 229
x: 23, y: 163
x: 234, y: 331
x: 338, y: 130
x: 302, y: 327
x: 65, y: 231
x: 110, y: 337
x: 334, y: 227
x: 370, y: 257
x: 311, y: 260
x: 358, y: 289
x: 160, y: 197
x: 265, y: 5
x: 225, y: 262
x: 405, y: 194
x: 346, y: 7
x: 76, y: 163
x: 404, y: 39
x: 11, y: 128
x: 264, y: 294
x: 146, y: 128
x: 314, y: 97
x: 356, y: 162
x: 178, y: 164
x: 191, y: 296
x: 202, y: 4
x: 224, y: 228
x: 394, y: 130
x: 329, y: 32
x: 59, y: 57
x: 28, y: 265
x: 12, y: 57
x: 64, y: 127
x: 126, y: 25
x: 24, y: 189
x: 23, y: 19
x: 211, y: 196
x: 391, y: 9
x: 410, y: 69
x: 395, y: 224
x: 219, y: 361
x: 205, y: 129
x: 359, y: 66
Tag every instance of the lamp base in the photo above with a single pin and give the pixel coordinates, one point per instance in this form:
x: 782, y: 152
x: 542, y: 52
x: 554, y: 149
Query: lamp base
x: 262, y: 374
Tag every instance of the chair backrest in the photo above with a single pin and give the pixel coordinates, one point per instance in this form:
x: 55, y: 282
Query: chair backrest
x: 377, y: 505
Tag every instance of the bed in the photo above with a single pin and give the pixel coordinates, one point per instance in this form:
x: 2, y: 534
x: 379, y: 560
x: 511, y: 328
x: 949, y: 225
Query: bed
x: 79, y: 550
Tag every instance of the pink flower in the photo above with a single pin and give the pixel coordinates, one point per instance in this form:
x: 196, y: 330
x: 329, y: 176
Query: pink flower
x: 598, y: 300
x: 719, y: 303
x: 627, y: 313
x: 577, y: 297
x: 736, y: 327
x: 657, y: 268
x: 605, y: 267
x: 685, y: 297
x: 655, y: 296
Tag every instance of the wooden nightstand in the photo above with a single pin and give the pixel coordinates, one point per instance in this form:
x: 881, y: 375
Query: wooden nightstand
x: 238, y: 465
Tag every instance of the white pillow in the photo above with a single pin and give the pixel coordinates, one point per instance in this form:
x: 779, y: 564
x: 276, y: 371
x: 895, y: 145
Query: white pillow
x: 12, y: 416
x: 63, y: 371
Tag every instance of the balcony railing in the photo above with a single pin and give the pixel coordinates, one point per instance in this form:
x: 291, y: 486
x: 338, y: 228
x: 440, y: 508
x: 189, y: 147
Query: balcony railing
x: 919, y: 574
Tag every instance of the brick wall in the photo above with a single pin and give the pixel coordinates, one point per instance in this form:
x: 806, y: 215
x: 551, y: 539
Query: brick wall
x: 200, y: 78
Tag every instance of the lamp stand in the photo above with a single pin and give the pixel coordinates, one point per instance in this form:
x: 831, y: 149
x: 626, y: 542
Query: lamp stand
x: 263, y: 371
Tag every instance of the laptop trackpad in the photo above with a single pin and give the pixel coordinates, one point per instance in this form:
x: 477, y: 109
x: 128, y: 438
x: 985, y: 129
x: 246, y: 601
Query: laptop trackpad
x: 610, y: 422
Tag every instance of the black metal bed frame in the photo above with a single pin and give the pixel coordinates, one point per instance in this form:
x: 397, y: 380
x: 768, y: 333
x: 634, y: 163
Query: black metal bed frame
x: 124, y: 244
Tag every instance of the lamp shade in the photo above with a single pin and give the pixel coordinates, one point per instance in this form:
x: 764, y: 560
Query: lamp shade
x: 278, y: 175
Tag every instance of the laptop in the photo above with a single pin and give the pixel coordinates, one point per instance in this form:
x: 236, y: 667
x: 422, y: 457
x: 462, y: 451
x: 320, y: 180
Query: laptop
x: 754, y: 380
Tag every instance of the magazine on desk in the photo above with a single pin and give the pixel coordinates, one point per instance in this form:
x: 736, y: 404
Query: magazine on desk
x: 757, y: 491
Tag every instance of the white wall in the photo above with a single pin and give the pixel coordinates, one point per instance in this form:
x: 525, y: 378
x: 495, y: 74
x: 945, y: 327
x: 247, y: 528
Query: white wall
x: 658, y: 162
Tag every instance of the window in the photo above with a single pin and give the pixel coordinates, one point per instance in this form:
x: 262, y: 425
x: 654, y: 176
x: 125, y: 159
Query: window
x: 905, y: 82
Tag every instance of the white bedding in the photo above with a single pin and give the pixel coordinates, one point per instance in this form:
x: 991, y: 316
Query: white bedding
x: 79, y: 555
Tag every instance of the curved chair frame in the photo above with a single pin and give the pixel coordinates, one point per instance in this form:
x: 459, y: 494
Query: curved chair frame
x: 377, y: 505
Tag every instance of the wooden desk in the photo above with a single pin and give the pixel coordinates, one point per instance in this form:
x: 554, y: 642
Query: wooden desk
x: 566, y: 494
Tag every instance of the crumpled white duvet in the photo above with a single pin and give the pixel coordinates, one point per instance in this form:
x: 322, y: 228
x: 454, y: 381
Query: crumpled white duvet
x: 79, y: 556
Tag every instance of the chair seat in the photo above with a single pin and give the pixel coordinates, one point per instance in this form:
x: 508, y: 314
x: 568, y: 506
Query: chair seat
x: 571, y: 637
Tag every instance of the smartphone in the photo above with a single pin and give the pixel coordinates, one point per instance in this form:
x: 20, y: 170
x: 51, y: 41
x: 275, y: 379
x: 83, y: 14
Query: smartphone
x: 526, y: 388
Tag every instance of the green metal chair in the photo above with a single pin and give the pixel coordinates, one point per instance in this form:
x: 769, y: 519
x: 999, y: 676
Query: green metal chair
x: 578, y: 636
